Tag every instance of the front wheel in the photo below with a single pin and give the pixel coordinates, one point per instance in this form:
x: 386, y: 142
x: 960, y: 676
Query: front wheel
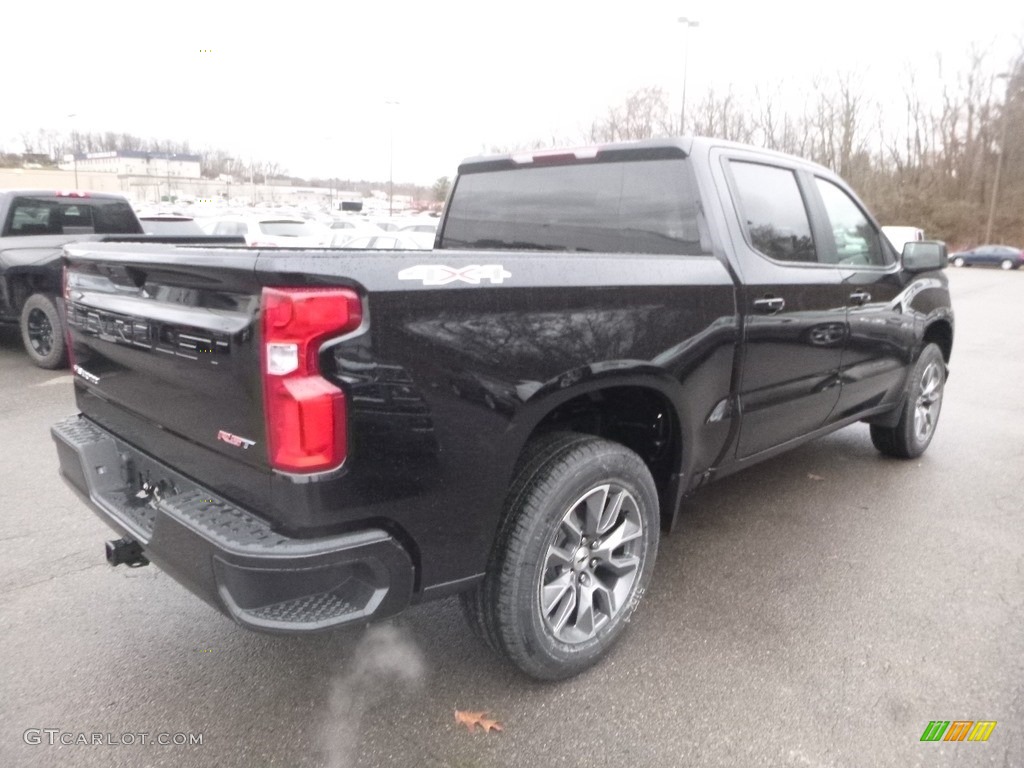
x: 573, y: 557
x: 920, y: 416
x: 958, y: 262
x: 42, y: 332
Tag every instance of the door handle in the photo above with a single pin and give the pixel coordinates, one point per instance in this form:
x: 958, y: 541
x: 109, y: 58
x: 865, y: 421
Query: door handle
x: 769, y: 305
x: 860, y: 298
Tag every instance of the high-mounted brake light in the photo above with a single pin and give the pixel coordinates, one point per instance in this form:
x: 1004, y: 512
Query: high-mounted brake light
x: 555, y: 155
x: 306, y: 423
x: 71, y: 193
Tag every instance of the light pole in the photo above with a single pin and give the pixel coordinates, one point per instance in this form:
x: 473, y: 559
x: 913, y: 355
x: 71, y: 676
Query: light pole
x: 328, y: 142
x: 999, y: 160
x: 688, y: 24
x: 74, y: 147
x: 167, y: 165
x: 391, y: 161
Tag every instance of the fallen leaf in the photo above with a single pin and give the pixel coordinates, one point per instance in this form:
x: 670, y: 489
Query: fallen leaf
x: 473, y: 719
x: 814, y: 477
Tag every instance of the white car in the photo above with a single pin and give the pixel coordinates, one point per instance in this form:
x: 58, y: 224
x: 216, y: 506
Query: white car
x: 900, y: 236
x: 273, y: 231
x: 422, y: 231
x: 385, y: 240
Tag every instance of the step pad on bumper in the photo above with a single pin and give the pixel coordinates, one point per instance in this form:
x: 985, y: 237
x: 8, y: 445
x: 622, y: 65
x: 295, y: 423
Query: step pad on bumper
x: 228, y: 556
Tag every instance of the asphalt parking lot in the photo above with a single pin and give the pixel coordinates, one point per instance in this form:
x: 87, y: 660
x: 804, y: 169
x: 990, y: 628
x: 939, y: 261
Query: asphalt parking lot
x: 817, y: 610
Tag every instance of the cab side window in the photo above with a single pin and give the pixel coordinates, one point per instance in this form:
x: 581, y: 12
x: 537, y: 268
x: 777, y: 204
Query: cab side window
x: 774, y: 212
x: 857, y: 240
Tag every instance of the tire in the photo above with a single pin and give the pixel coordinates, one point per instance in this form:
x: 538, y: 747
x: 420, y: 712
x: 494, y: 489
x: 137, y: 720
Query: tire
x: 920, y: 411
x: 1007, y: 264
x: 580, y: 528
x: 958, y: 262
x: 42, y: 332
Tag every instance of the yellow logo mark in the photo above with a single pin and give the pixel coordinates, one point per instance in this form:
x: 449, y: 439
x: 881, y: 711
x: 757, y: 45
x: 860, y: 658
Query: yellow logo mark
x: 982, y: 730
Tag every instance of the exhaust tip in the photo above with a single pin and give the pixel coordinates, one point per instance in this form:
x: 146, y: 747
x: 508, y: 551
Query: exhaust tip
x: 126, y: 551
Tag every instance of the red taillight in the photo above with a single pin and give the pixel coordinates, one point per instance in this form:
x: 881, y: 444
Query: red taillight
x: 67, y: 323
x: 306, y: 429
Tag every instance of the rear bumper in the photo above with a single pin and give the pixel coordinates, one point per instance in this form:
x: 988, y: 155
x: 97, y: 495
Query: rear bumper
x: 227, y: 556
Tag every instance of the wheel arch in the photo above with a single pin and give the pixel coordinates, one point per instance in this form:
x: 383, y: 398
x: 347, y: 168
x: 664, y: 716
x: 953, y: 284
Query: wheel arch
x: 640, y: 412
x: 19, y: 284
x: 939, y: 332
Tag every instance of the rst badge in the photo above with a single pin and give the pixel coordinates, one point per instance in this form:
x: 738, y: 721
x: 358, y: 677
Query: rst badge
x: 235, y: 440
x: 438, y: 274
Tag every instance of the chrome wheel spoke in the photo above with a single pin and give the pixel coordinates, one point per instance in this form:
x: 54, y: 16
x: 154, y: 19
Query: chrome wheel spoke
x: 595, y: 503
x: 622, y: 566
x: 586, y: 622
x: 558, y: 557
x: 554, y: 591
x: 611, y: 512
x: 572, y: 530
x: 605, y: 596
x: 627, y: 531
x: 563, y: 610
x: 928, y: 401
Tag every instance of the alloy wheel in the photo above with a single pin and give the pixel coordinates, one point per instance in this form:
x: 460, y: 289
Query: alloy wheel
x: 592, y: 563
x: 40, y: 332
x: 926, y: 410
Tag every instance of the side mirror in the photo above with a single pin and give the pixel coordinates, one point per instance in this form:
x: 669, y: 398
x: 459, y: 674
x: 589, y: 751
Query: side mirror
x: 925, y: 256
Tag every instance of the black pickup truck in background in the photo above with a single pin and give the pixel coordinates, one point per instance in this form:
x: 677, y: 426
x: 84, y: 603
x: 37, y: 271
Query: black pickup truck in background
x: 35, y: 225
x: 309, y: 439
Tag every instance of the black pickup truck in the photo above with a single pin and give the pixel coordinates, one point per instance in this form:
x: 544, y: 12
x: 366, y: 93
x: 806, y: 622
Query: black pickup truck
x: 308, y: 438
x: 35, y: 225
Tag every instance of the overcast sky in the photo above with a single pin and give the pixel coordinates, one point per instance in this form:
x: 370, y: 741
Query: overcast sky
x: 311, y: 80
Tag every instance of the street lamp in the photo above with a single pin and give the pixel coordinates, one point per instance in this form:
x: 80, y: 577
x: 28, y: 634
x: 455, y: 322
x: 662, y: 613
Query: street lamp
x: 999, y: 160
x: 391, y: 161
x: 688, y: 25
x: 74, y: 148
x: 329, y: 146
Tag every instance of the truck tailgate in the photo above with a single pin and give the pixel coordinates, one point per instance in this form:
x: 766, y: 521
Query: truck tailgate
x: 165, y: 352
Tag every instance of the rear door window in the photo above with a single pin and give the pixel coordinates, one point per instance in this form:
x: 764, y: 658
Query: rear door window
x: 773, y: 211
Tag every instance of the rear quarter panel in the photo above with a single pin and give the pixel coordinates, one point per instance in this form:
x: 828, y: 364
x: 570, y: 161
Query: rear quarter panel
x: 446, y: 383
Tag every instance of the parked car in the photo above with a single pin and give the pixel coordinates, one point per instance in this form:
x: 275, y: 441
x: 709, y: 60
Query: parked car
x: 35, y: 225
x: 273, y: 231
x: 385, y: 240
x: 422, y: 232
x: 350, y: 224
x: 900, y: 236
x: 1003, y: 256
x: 169, y: 224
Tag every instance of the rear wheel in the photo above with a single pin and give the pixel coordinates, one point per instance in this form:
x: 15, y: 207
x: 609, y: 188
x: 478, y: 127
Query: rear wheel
x: 573, y: 557
x: 42, y: 332
x: 1006, y: 264
x: 920, y: 416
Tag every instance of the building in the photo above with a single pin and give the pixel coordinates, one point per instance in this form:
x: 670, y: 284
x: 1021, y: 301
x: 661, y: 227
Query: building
x: 163, y: 164
x: 143, y: 176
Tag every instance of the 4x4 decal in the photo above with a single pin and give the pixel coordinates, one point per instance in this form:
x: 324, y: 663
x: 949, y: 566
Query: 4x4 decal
x: 438, y: 274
